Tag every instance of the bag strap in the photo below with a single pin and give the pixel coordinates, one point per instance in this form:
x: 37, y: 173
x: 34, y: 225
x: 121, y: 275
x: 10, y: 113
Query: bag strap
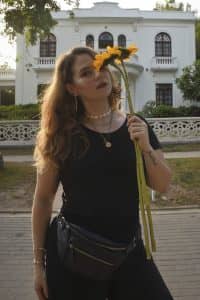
x: 64, y: 201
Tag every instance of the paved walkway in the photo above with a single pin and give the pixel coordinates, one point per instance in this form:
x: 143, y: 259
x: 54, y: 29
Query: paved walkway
x: 182, y: 154
x: 177, y: 257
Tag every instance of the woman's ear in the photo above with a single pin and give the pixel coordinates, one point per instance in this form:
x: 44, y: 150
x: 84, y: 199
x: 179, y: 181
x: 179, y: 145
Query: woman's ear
x: 70, y: 88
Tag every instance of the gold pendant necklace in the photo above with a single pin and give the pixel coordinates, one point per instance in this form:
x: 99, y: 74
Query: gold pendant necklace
x: 108, y: 143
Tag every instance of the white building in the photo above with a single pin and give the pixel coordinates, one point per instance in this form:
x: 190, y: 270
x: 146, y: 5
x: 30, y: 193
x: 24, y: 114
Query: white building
x: 166, y: 42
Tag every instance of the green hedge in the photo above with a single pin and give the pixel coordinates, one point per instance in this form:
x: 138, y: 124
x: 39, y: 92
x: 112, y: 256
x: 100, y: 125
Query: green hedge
x: 32, y: 111
x: 150, y: 110
x: 20, y: 112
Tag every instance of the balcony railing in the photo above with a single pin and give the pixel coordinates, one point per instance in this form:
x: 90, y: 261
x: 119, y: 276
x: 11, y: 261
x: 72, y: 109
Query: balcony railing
x: 161, y: 63
x: 7, y: 74
x: 44, y: 62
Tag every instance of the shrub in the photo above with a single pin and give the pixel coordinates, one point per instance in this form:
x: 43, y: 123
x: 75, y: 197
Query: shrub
x: 150, y: 110
x: 20, y: 112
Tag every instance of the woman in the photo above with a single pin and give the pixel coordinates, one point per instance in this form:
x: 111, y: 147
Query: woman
x: 86, y: 143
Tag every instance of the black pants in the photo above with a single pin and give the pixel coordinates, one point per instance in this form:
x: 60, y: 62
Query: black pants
x: 136, y: 279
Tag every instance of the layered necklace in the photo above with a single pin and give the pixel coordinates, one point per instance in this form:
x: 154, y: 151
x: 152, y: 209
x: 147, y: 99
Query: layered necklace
x: 107, y: 139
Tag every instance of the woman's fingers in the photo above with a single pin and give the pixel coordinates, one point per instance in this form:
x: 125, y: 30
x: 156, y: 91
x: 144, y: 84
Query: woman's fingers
x: 39, y: 293
x: 136, y: 127
x: 42, y: 291
x: 134, y: 119
x: 45, y: 290
x: 137, y: 134
x: 138, y: 131
x: 133, y: 128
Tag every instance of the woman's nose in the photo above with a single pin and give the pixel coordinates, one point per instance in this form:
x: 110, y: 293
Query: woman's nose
x: 96, y: 74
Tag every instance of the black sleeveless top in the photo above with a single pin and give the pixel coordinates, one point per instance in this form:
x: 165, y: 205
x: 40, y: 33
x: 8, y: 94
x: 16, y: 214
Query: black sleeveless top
x: 101, y: 187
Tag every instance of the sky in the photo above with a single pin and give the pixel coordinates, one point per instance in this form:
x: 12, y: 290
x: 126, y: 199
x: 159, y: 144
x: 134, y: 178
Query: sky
x: 7, y: 51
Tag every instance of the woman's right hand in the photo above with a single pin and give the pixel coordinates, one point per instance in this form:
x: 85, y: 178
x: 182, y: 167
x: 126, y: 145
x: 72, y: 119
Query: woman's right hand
x: 40, y: 283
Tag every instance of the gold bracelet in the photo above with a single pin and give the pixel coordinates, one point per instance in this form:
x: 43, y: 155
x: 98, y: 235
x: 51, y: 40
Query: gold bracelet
x: 37, y: 262
x: 40, y: 249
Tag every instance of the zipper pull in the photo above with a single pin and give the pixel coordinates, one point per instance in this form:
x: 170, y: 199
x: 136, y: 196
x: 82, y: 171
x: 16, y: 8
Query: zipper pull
x: 73, y: 251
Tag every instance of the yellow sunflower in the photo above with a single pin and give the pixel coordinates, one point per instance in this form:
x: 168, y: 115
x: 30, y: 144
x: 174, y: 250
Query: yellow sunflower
x: 132, y: 49
x: 113, y: 55
x: 113, y: 51
x: 101, y: 60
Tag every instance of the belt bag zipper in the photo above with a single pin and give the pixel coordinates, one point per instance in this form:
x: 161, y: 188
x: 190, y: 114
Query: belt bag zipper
x: 105, y: 246
x: 91, y: 256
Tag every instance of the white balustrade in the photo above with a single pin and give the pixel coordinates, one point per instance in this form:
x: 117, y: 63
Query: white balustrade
x: 164, y: 60
x: 165, y: 63
x: 168, y: 130
x: 44, y: 62
x: 180, y: 129
x: 14, y: 133
x: 7, y: 74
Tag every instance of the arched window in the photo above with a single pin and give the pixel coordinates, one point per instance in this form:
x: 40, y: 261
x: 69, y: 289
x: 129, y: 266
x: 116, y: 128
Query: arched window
x: 163, y: 45
x: 122, y: 40
x: 90, y: 41
x: 48, y: 46
x: 105, y: 39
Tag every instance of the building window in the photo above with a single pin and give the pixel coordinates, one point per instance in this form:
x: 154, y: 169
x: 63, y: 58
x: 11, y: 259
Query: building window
x: 48, y: 46
x: 163, y: 45
x: 105, y: 39
x: 7, y: 95
x: 122, y: 40
x: 90, y: 41
x: 164, y: 94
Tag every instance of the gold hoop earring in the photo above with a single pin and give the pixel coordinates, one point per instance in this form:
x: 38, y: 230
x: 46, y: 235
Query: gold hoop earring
x: 76, y: 103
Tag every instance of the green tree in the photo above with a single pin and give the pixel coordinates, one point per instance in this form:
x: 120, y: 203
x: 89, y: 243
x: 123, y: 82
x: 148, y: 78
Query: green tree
x: 169, y: 5
x: 30, y: 17
x: 197, y: 38
x: 189, y: 82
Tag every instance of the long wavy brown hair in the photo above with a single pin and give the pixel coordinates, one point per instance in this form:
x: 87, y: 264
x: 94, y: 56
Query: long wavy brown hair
x: 60, y: 127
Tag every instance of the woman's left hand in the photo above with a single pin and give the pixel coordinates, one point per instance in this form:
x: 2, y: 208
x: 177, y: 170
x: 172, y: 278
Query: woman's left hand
x: 138, y: 131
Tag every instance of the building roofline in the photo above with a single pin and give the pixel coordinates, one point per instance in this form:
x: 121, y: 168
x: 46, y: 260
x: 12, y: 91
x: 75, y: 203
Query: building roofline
x: 124, y: 13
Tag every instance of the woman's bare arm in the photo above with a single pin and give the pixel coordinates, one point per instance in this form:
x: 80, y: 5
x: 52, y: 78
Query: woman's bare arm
x: 158, y: 172
x: 45, y: 190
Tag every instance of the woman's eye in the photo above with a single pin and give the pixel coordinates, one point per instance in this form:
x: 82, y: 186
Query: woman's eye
x: 87, y: 73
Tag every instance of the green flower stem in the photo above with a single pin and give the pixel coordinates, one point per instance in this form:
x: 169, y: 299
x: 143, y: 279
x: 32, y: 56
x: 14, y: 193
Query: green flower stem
x: 142, y: 201
x: 144, y: 195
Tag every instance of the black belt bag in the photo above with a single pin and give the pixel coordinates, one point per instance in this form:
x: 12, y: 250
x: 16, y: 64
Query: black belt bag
x: 88, y: 253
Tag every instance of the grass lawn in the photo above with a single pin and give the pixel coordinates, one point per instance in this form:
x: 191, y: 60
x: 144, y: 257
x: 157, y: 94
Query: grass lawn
x: 166, y: 148
x: 181, y: 147
x: 17, y: 185
x: 17, y: 150
x: 185, y: 188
